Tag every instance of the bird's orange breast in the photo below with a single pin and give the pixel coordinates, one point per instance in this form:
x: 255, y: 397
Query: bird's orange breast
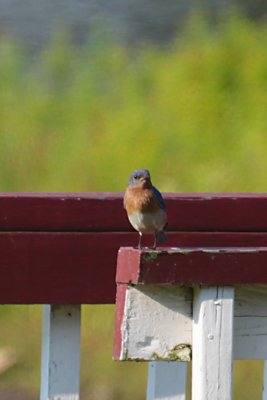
x: 140, y: 199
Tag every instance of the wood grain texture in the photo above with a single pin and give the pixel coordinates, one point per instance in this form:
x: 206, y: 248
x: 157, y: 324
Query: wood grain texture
x: 60, y: 371
x: 104, y: 212
x: 62, y: 212
x: 193, y: 266
x: 62, y: 247
x: 79, y: 267
x: 58, y: 268
x: 212, y: 367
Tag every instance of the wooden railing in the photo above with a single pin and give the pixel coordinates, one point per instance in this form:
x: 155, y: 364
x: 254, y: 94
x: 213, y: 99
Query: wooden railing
x: 61, y: 249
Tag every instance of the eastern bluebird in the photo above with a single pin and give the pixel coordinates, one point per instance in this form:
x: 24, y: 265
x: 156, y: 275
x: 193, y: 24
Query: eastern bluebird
x: 145, y: 207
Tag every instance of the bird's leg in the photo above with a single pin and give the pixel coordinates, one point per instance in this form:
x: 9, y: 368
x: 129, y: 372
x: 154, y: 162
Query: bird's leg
x: 155, y: 242
x: 140, y: 241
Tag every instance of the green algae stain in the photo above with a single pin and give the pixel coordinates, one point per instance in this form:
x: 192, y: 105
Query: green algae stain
x: 181, y: 352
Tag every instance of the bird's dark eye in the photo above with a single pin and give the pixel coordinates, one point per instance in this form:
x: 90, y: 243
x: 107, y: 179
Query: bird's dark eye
x: 135, y: 177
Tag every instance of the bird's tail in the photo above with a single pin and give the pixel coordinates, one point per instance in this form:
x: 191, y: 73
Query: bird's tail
x: 161, y: 237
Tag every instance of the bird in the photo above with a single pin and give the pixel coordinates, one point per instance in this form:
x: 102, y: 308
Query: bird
x: 145, y: 207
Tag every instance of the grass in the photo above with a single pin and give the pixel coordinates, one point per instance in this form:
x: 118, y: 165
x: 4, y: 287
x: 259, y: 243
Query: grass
x: 81, y: 119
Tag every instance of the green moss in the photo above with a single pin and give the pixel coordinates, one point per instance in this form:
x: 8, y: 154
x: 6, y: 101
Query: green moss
x: 151, y: 256
x: 181, y: 352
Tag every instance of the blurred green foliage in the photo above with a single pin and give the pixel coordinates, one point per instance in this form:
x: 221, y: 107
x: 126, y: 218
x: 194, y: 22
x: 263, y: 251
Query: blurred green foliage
x: 81, y: 119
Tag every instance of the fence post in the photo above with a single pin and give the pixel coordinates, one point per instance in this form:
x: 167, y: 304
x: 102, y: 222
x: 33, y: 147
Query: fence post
x: 60, y: 371
x: 167, y: 380
x: 212, y: 343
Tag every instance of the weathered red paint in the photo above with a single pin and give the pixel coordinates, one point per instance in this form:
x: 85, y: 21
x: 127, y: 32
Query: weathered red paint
x: 104, y: 212
x: 62, y: 212
x: 120, y: 304
x: 127, y: 266
x: 80, y: 267
x: 62, y: 248
x: 58, y: 267
x: 193, y: 266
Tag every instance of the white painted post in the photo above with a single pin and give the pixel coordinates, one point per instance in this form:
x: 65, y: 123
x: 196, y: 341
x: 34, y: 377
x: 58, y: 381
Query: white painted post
x: 60, y: 375
x: 212, y: 343
x: 167, y: 380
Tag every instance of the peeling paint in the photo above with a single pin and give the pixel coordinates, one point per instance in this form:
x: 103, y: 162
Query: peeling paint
x: 185, y: 251
x: 125, y: 356
x: 152, y: 255
x: 212, y: 251
x: 148, y: 310
x: 181, y: 352
x: 230, y: 250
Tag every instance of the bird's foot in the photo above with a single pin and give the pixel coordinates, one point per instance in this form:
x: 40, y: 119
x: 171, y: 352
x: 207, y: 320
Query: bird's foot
x: 155, y: 244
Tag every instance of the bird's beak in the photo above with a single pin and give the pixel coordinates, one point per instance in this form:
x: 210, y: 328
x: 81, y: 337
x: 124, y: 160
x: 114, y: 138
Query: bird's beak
x: 144, y: 179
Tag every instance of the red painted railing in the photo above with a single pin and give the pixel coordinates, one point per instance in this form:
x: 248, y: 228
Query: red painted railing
x: 62, y: 248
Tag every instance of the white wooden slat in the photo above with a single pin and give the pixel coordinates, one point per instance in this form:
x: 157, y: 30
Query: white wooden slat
x: 250, y: 322
x: 60, y: 374
x: 167, y: 380
x: 212, y: 343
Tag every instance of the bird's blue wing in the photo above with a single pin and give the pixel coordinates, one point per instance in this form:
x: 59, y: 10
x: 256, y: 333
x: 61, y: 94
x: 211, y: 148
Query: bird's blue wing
x: 159, y: 198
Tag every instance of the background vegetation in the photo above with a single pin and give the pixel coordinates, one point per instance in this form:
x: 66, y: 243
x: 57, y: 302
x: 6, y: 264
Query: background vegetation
x: 81, y: 118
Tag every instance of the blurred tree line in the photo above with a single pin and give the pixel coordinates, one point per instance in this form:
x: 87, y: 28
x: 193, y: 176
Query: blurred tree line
x: 134, y: 22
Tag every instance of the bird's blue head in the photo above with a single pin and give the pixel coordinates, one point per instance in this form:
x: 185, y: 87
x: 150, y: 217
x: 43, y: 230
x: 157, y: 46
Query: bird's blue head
x: 140, y: 177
